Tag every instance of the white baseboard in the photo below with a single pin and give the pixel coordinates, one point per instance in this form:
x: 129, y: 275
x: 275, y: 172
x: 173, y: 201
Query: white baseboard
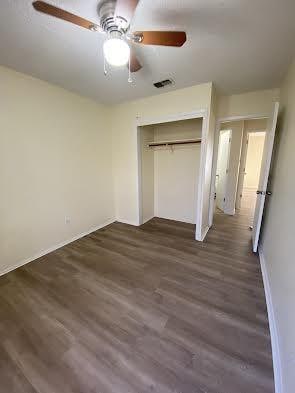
x: 204, y: 233
x: 272, y: 326
x: 147, y: 219
x: 230, y: 212
x: 135, y: 224
x: 53, y: 248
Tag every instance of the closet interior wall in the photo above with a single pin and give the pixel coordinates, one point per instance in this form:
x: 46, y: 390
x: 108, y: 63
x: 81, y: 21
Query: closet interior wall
x: 170, y: 174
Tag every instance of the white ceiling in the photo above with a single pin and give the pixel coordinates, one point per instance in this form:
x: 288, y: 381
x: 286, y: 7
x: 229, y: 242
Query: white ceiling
x: 241, y: 45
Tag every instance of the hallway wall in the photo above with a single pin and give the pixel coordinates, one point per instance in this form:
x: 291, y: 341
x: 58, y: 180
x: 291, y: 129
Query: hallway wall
x: 277, y: 246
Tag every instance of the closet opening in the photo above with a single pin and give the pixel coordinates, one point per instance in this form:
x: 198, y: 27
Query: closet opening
x: 170, y: 160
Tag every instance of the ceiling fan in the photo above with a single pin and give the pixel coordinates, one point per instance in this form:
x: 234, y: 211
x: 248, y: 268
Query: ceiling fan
x: 114, y: 21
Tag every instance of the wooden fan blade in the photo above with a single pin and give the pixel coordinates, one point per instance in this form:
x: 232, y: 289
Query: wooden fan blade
x: 134, y: 63
x: 126, y: 9
x: 51, y: 10
x: 166, y: 38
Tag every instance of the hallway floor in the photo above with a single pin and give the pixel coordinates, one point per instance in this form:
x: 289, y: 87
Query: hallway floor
x: 248, y: 203
x: 137, y: 310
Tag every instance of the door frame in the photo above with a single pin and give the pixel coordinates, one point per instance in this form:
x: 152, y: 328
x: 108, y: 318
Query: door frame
x: 219, y: 122
x: 141, y: 122
x: 227, y: 169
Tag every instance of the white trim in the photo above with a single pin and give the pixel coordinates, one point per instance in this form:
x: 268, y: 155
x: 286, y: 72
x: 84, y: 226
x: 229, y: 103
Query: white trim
x: 229, y: 119
x: 140, y: 122
x: 139, y: 175
x: 202, y: 176
x: 276, y: 359
x: 147, y: 219
x: 133, y: 223
x: 204, y: 233
x: 54, y: 248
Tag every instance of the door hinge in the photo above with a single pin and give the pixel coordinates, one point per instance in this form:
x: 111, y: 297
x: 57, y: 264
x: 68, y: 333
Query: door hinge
x: 263, y: 192
x: 223, y: 199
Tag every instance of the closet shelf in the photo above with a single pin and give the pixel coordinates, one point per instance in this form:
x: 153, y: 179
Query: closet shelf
x: 175, y: 142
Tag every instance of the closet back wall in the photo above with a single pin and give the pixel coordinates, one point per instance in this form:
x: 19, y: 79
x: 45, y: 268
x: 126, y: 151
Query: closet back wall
x: 176, y: 171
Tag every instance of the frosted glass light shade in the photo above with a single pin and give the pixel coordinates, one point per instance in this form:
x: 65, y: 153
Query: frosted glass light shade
x: 116, y: 51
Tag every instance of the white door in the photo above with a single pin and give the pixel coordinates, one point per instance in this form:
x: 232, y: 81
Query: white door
x: 263, y: 180
x: 222, y: 168
x: 242, y: 171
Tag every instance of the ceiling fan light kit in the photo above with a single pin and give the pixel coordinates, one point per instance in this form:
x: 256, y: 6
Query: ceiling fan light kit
x: 116, y: 51
x: 115, y: 17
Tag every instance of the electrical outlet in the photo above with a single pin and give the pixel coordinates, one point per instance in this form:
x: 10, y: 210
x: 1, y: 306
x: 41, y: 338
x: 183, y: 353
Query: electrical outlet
x: 67, y: 220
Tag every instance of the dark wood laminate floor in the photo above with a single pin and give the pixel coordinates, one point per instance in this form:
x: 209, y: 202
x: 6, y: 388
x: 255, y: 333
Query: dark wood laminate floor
x: 139, y: 310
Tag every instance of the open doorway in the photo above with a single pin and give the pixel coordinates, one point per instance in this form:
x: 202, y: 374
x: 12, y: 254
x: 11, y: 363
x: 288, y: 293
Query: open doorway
x: 240, y: 192
x: 238, y: 166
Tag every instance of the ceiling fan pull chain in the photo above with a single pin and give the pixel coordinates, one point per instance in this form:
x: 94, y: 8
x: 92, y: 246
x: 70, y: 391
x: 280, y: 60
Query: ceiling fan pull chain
x: 105, y: 71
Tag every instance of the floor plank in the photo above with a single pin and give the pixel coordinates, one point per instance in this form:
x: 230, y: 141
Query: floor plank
x: 137, y: 310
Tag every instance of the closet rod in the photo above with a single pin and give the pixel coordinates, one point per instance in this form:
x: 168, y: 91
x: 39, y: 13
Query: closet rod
x: 170, y: 143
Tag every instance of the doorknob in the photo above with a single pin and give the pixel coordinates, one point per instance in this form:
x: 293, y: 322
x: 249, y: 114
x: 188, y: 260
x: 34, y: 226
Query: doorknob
x: 263, y: 192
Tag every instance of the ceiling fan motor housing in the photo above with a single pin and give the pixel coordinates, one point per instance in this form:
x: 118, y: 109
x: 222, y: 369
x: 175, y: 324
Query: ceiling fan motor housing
x: 109, y: 21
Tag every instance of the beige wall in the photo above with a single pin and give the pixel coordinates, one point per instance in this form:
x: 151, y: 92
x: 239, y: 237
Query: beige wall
x: 255, y: 125
x: 253, y: 160
x: 184, y: 129
x: 252, y: 103
x: 124, y: 118
x: 278, y: 233
x: 55, y: 162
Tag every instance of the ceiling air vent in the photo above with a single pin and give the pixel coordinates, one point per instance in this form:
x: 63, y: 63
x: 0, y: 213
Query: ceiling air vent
x: 164, y: 83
